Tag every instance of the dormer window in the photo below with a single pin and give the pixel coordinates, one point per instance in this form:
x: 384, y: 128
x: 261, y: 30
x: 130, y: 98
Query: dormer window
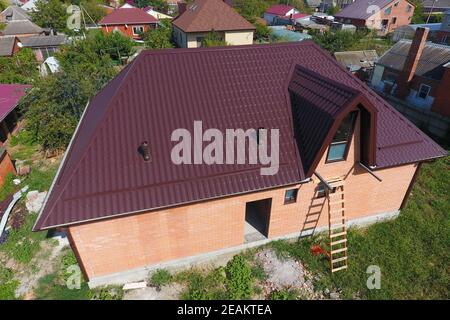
x: 339, y: 146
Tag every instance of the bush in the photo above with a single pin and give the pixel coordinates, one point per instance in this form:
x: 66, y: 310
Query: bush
x: 283, y: 295
x: 239, y: 278
x: 8, y: 285
x: 160, y: 277
x: 107, y: 293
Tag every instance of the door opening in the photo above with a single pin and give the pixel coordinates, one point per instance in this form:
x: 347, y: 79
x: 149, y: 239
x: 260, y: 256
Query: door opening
x: 257, y: 217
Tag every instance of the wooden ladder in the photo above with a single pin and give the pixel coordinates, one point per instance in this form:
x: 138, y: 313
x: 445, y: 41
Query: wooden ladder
x: 337, y: 227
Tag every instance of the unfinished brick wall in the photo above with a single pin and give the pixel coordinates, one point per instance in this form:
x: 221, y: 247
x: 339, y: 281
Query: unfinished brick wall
x: 6, y: 166
x: 134, y: 241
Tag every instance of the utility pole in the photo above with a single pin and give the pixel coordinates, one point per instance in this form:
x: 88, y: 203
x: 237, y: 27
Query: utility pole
x: 431, y: 10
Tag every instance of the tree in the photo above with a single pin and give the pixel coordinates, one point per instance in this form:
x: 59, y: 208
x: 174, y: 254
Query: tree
x: 159, y: 5
x: 335, y: 41
x: 251, y: 9
x: 333, y: 10
x: 161, y: 37
x: 3, y: 4
x: 20, y: 68
x: 262, y: 32
x: 94, y: 11
x: 50, y: 14
x: 418, y: 12
x: 55, y: 104
x: 116, y: 45
x: 213, y: 39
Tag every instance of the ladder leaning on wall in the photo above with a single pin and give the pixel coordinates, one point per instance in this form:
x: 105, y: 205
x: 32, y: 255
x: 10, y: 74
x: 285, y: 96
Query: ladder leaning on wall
x: 337, y: 229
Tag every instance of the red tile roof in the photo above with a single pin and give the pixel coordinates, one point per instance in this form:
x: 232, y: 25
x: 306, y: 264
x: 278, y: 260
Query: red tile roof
x: 104, y: 176
x: 279, y: 9
x: 128, y: 16
x: 208, y: 15
x: 10, y: 95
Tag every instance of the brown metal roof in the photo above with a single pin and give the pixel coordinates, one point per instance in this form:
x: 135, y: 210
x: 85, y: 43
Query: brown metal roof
x: 431, y: 62
x: 104, y: 176
x: 207, y: 15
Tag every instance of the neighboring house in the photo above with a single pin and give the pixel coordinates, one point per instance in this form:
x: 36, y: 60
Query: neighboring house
x: 272, y: 14
x: 416, y: 71
x: 443, y: 34
x: 288, y: 35
x: 10, y: 94
x: 22, y: 28
x: 435, y: 6
x: 360, y: 63
x: 408, y: 31
x: 136, y: 207
x: 9, y: 45
x: 12, y: 13
x: 131, y: 22
x: 30, y: 6
x: 315, y: 4
x: 201, y: 17
x: 156, y: 14
x: 382, y: 15
x: 43, y: 46
x: 328, y: 4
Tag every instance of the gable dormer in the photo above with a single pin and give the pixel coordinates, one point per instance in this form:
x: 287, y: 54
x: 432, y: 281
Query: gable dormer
x: 324, y: 115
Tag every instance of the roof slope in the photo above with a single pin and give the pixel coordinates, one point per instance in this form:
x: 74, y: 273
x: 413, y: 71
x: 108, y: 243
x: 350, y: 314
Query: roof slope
x: 362, y: 9
x: 10, y: 94
x: 230, y: 87
x: 127, y: 16
x: 43, y: 41
x: 363, y: 58
x: 18, y: 27
x: 7, y: 45
x: 207, y: 15
x: 279, y: 9
x: 431, y: 62
x: 15, y: 13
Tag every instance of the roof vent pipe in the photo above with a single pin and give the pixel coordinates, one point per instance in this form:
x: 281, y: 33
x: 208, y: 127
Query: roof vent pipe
x: 144, y: 151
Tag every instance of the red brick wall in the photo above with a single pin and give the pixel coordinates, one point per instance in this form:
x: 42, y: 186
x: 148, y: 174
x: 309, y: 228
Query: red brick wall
x: 134, y: 241
x: 6, y: 166
x: 126, y: 30
x: 441, y: 102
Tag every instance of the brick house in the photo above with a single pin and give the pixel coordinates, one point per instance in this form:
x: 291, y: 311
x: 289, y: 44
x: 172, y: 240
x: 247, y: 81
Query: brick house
x: 131, y: 22
x: 382, y: 15
x: 416, y: 71
x: 196, y: 20
x: 127, y: 207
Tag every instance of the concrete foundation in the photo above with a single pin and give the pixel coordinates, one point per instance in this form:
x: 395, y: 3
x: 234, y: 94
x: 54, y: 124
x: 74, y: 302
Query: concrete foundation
x: 140, y: 274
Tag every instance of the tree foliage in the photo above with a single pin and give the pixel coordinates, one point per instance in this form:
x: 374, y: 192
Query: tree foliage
x: 213, y: 39
x: 50, y: 14
x: 56, y: 103
x: 161, y: 37
x: 159, y: 5
x: 337, y: 41
x: 418, y: 16
x: 20, y: 68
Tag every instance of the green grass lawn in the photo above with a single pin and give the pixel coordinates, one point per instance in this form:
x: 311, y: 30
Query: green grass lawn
x: 412, y: 251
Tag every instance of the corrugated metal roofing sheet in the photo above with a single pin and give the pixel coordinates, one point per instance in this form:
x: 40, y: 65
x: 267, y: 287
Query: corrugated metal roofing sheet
x: 10, y: 94
x: 103, y: 175
x: 433, y: 57
x: 6, y: 45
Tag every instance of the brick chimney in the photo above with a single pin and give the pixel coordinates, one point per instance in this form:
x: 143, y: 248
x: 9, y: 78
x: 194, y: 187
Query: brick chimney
x: 409, y: 68
x: 182, y: 6
x: 441, y: 102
